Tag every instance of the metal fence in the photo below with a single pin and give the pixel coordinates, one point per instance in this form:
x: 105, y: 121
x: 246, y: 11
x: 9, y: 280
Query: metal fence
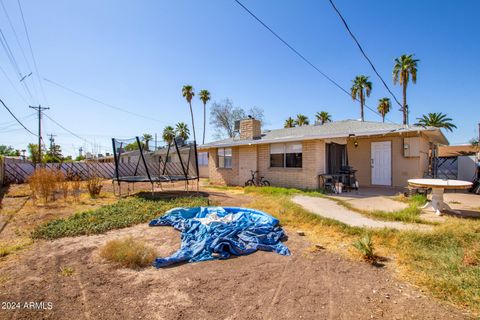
x: 446, y: 168
x: 18, y: 172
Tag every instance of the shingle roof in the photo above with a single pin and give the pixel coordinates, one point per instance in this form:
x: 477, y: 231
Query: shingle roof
x: 337, y: 129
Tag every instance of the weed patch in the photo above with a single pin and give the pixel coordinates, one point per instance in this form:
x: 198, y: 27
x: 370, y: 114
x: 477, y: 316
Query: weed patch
x: 121, y: 214
x: 128, y: 253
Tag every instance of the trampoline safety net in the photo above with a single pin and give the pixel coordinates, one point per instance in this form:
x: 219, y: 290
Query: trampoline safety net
x: 136, y: 161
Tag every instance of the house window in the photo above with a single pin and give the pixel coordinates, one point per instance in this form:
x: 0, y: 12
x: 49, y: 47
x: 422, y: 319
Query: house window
x: 286, y: 155
x: 224, y: 157
x: 203, y: 159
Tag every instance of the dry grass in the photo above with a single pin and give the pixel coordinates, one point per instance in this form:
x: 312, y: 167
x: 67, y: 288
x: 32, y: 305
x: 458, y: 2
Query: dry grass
x: 9, y: 248
x: 94, y: 186
x: 128, y: 253
x: 445, y: 261
x: 66, y: 271
x: 43, y: 184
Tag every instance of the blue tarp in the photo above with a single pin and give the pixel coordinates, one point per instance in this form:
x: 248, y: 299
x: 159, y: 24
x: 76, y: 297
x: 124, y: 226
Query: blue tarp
x: 219, y: 232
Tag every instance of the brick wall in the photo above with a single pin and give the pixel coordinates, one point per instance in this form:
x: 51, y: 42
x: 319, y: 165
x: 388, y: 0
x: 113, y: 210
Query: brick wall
x: 225, y: 176
x: 257, y: 157
x: 250, y: 129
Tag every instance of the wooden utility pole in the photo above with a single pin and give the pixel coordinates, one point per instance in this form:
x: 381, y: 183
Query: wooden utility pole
x: 39, y: 109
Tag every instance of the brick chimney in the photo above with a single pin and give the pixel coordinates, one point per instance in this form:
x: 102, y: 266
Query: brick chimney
x: 250, y: 128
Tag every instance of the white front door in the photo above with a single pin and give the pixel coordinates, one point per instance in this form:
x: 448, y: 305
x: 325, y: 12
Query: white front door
x: 381, y: 162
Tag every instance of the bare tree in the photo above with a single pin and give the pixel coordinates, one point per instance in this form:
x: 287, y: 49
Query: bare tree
x: 223, y: 115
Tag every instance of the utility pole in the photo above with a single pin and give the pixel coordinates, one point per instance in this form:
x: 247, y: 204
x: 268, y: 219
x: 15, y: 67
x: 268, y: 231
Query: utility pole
x: 39, y: 109
x: 156, y: 139
x: 52, y: 141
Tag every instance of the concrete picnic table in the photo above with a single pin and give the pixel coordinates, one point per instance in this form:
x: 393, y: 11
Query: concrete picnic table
x: 438, y: 187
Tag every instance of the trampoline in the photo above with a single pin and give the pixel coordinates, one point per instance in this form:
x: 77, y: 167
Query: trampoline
x: 135, y: 163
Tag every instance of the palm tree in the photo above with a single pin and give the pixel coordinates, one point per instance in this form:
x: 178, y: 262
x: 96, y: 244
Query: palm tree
x: 436, y: 119
x: 323, y: 117
x: 182, y: 131
x: 405, y: 66
x: 361, y: 89
x: 168, y: 134
x: 205, y: 97
x: 383, y: 107
x: 302, y: 120
x: 187, y: 92
x: 147, y: 138
x: 289, y: 123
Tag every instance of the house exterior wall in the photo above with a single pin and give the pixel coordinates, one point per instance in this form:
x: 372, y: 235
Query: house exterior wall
x: 224, y: 176
x: 403, y: 168
x: 257, y: 157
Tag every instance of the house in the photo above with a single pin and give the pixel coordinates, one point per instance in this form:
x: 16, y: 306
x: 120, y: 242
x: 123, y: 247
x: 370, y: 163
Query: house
x: 382, y: 154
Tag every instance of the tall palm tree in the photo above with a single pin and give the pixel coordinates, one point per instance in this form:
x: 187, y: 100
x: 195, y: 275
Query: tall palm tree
x: 147, y: 138
x: 205, y: 97
x: 383, y: 107
x: 182, y: 131
x: 302, y: 120
x: 188, y: 93
x: 289, y: 123
x: 168, y: 134
x: 323, y: 117
x: 436, y: 119
x: 361, y: 89
x: 405, y: 66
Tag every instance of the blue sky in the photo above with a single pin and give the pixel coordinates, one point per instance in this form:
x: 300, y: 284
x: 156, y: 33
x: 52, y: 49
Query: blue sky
x: 138, y: 54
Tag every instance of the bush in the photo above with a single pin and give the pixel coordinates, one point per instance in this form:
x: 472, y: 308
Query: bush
x: 43, y: 183
x: 94, y: 186
x: 365, y: 247
x: 128, y: 253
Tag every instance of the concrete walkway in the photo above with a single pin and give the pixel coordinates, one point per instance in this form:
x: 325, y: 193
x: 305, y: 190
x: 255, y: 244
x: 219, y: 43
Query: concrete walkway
x: 330, y: 209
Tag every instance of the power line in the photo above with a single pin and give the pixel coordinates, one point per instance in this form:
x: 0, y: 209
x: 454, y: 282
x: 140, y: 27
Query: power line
x: 101, y: 102
x: 13, y: 86
x: 303, y: 57
x: 15, y: 34
x: 9, y: 111
x: 13, y: 62
x: 31, y: 52
x: 94, y: 144
x: 67, y: 130
x: 363, y: 52
x: 13, y: 123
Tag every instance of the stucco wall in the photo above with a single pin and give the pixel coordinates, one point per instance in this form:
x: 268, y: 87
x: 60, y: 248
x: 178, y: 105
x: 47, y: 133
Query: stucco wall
x: 402, y: 168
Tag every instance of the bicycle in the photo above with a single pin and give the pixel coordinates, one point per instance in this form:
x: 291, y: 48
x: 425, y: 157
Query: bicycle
x: 256, y: 181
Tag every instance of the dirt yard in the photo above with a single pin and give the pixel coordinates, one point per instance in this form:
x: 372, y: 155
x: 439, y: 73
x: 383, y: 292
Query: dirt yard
x: 306, y: 285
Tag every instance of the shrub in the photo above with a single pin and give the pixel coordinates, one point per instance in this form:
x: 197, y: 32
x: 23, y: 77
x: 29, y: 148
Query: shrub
x: 43, y: 184
x: 128, y: 253
x: 94, y: 186
x: 365, y: 247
